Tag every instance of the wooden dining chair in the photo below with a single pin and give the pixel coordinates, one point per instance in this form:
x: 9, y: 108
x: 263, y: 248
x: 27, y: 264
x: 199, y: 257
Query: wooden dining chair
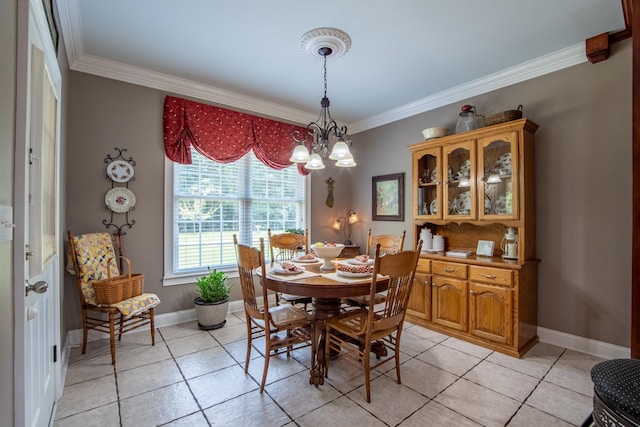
x: 93, y: 258
x: 389, y: 243
x: 284, y: 247
x: 351, y: 334
x: 265, y: 321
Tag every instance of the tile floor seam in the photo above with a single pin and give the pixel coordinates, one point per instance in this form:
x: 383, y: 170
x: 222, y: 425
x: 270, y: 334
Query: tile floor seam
x: 186, y: 383
x: 458, y: 377
x: 115, y: 378
x: 339, y: 394
x: 524, y: 401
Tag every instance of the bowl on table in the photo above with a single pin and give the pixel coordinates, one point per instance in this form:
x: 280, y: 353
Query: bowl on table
x: 327, y: 252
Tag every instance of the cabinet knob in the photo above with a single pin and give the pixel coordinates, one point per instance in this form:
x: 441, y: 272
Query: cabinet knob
x: 471, y: 292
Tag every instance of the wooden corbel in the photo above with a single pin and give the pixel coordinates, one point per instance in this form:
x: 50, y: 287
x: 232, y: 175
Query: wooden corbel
x: 598, y: 47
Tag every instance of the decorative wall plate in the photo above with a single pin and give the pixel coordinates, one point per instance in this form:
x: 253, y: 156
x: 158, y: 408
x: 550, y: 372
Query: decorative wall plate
x: 120, y: 171
x: 120, y: 199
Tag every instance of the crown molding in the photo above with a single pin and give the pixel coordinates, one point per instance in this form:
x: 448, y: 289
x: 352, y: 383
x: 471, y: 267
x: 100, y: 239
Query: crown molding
x: 546, y: 64
x: 79, y: 61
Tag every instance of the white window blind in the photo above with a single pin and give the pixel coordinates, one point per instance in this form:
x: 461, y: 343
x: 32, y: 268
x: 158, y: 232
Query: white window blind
x: 212, y: 201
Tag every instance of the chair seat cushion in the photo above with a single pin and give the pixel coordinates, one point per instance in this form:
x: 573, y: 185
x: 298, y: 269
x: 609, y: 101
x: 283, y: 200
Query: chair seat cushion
x: 128, y: 307
x: 136, y: 305
x: 617, y: 382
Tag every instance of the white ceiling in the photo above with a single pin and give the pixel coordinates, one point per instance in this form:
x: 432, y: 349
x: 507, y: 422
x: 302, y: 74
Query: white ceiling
x: 407, y: 56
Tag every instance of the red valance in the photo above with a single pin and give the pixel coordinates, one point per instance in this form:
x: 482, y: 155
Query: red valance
x: 224, y: 135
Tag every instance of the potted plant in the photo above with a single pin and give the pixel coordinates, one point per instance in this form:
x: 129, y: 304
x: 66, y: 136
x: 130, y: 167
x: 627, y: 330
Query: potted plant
x: 212, y: 300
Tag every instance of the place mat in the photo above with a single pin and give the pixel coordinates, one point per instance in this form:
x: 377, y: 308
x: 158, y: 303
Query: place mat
x: 338, y: 278
x: 289, y: 277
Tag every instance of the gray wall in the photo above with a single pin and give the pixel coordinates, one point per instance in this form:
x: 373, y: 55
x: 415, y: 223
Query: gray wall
x: 583, y: 168
x: 8, y: 19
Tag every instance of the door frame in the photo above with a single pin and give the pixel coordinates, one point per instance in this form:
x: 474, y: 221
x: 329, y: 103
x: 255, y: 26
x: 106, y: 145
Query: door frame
x: 31, y: 12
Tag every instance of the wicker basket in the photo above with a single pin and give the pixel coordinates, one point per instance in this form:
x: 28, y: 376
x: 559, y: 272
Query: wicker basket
x: 505, y: 116
x: 115, y: 289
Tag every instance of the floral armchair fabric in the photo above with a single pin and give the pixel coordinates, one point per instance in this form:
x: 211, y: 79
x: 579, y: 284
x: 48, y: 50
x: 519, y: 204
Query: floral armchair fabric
x: 93, y: 252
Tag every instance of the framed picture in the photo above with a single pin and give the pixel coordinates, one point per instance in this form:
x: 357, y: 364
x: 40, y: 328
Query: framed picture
x: 485, y: 248
x: 387, y: 196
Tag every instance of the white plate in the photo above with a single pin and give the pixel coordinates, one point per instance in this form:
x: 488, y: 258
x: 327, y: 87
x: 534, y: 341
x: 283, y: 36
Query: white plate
x: 120, y: 199
x: 487, y: 205
x: 354, y: 261
x: 500, y: 206
x: 305, y: 260
x: 434, y: 174
x: 465, y: 169
x: 284, y: 272
x: 120, y: 171
x: 462, y: 204
x: 434, y: 207
x: 353, y: 275
x: 504, y: 163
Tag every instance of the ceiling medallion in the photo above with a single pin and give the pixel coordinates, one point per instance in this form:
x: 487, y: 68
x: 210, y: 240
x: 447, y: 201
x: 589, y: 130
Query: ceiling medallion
x: 338, y: 41
x: 323, y: 43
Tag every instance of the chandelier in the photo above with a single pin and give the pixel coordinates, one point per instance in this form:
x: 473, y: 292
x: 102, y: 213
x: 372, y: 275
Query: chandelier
x: 324, y: 42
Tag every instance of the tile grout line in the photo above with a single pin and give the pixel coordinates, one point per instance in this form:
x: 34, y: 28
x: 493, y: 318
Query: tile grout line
x: 524, y: 401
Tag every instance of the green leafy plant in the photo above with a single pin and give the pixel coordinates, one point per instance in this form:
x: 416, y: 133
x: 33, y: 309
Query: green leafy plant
x: 213, y: 287
x: 294, y: 230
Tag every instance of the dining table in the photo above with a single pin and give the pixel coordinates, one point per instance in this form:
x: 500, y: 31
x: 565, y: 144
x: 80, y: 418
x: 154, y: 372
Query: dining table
x: 326, y: 289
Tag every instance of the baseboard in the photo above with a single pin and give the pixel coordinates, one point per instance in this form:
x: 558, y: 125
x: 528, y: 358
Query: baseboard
x: 74, y: 337
x: 550, y: 336
x: 583, y: 345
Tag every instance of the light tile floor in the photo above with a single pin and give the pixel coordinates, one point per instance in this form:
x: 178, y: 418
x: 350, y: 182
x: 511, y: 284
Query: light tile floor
x: 196, y: 378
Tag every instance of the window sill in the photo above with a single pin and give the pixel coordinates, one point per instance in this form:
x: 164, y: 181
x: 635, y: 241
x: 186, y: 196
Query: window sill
x: 190, y: 279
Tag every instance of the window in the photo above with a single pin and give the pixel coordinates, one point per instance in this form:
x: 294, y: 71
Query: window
x: 212, y: 201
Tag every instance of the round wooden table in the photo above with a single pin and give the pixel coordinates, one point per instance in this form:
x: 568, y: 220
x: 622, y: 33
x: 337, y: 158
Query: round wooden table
x: 326, y: 300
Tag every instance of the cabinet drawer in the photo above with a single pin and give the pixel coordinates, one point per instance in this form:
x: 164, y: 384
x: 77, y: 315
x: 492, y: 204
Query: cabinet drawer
x: 424, y: 265
x: 450, y: 269
x: 496, y: 276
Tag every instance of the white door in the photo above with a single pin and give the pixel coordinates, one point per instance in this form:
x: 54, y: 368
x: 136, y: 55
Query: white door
x: 37, y: 245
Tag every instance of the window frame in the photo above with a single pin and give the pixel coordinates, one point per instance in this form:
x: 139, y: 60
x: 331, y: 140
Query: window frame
x: 172, y: 279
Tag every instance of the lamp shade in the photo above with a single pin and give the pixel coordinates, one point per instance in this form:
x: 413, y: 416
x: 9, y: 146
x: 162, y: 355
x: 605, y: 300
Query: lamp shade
x: 300, y: 154
x: 340, y: 151
x: 346, y: 163
x: 315, y: 162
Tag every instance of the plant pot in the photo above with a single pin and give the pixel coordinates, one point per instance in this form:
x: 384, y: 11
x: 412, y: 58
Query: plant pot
x: 211, y: 315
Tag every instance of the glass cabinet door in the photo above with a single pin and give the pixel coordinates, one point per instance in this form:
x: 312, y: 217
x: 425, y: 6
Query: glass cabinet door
x: 460, y: 189
x: 429, y: 178
x: 498, y: 176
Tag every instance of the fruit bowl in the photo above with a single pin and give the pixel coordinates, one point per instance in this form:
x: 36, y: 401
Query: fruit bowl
x: 327, y: 253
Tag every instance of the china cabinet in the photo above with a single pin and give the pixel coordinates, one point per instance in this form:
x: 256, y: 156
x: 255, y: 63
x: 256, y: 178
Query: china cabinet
x: 467, y: 187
